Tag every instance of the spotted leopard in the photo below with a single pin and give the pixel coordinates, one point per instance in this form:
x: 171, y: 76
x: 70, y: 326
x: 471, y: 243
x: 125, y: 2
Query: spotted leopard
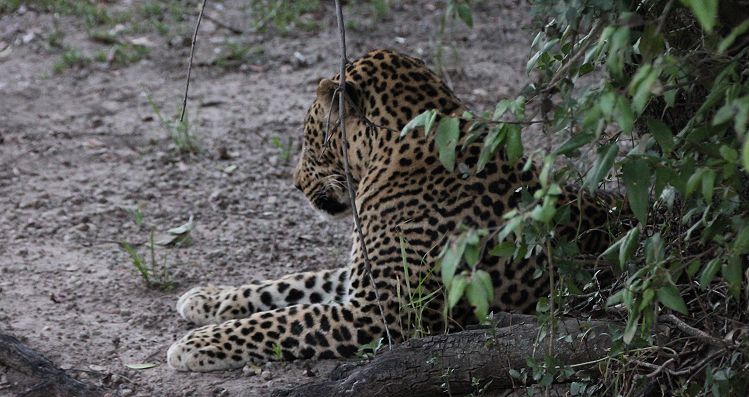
x: 408, y: 203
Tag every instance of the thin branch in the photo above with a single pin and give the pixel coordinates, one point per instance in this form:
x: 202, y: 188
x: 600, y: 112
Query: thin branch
x: 189, y: 63
x: 691, y: 331
x: 349, y: 178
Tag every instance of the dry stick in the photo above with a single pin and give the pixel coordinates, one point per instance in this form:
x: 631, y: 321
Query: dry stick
x: 189, y: 63
x: 694, y: 332
x: 349, y: 178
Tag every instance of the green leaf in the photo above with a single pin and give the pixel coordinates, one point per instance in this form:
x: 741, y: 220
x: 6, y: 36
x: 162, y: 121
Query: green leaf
x: 706, y: 12
x: 742, y: 114
x: 613, y: 248
x: 545, y: 212
x: 514, y: 143
x: 450, y: 259
x: 429, y: 122
x: 662, y: 135
x: 654, y: 251
x: 647, y: 298
x: 616, y: 298
x: 418, y: 121
x: 503, y: 249
x: 636, y: 175
x: 623, y: 115
x: 492, y: 141
x: 741, y: 245
x: 694, y: 180
x: 735, y: 33
x: 708, y: 185
x: 472, y: 253
x: 641, y: 86
x: 709, y: 272
x: 651, y: 43
x: 575, y: 142
x: 731, y: 271
x: 724, y: 114
x: 182, y: 229
x: 501, y: 108
x: 511, y: 226
x: 483, y: 277
x: 478, y: 298
x: 446, y: 139
x: 630, y: 329
x: 457, y: 287
x: 464, y: 13
x: 606, y: 156
x: 141, y: 366
x: 729, y: 154
x: 619, y: 47
x: 745, y: 154
x: 670, y: 296
x: 693, y: 267
x: 628, y: 245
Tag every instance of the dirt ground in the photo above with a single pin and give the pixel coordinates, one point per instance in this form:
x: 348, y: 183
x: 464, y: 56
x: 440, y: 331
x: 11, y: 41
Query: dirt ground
x: 81, y: 149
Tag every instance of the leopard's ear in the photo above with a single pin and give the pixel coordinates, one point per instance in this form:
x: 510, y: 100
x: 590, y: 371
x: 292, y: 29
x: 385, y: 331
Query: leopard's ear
x: 326, y: 91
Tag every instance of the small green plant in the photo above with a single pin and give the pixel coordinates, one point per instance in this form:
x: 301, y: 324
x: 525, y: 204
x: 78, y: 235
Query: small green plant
x: 454, y: 10
x: 137, y: 215
x: 55, y: 38
x: 124, y: 54
x: 479, y: 388
x: 286, y: 150
x: 369, y: 350
x: 233, y: 54
x: 152, y: 9
x: 72, y: 58
x: 179, y: 131
x: 416, y: 298
x: 277, y: 352
x: 381, y: 9
x: 155, y: 274
x: 445, y: 376
x: 284, y: 15
x: 466, y: 281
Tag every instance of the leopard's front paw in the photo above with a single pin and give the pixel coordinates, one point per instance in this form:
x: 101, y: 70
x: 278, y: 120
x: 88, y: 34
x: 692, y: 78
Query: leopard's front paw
x: 210, y: 305
x: 196, y: 352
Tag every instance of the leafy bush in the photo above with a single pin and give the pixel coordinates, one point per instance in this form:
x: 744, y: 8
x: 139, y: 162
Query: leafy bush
x: 658, y: 90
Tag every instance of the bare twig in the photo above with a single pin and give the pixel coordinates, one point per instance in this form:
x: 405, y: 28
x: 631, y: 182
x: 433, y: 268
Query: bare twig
x: 189, y: 63
x: 691, y: 331
x: 349, y: 178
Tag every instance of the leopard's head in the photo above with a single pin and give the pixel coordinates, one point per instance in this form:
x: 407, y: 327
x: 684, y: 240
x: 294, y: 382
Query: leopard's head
x: 320, y: 172
x: 384, y: 90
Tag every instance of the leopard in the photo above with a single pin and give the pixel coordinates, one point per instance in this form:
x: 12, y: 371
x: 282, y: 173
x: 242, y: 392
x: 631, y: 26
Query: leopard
x: 409, y: 205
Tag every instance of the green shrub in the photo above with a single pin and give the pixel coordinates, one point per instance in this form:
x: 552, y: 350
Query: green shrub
x: 659, y: 91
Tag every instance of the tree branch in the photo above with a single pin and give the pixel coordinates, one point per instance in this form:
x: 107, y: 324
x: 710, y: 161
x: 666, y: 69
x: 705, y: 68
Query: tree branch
x: 424, y: 367
x: 51, y: 380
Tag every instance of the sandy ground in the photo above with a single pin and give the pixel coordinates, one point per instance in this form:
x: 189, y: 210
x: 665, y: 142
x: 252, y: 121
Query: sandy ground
x: 81, y: 149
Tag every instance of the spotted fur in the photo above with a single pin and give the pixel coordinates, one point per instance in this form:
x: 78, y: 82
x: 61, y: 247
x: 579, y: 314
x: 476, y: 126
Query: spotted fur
x: 409, y: 205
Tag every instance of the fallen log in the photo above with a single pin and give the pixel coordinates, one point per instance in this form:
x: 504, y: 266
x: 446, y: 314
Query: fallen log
x: 458, y: 362
x: 51, y: 381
